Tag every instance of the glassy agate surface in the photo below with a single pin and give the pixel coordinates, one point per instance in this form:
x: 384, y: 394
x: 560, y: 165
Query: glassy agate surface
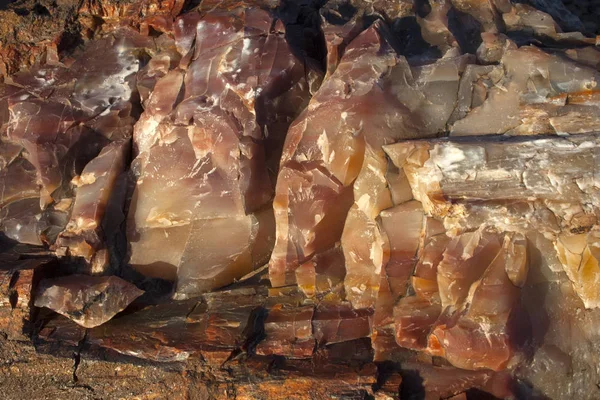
x: 350, y: 198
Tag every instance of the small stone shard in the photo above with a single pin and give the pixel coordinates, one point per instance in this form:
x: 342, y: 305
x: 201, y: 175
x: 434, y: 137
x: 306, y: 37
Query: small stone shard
x: 580, y: 256
x: 88, y: 300
x: 83, y: 235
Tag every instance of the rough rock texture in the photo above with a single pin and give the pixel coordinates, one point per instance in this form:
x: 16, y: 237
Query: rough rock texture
x: 65, y: 134
x: 212, y: 128
x: 17, y: 288
x: 299, y: 199
x: 88, y: 300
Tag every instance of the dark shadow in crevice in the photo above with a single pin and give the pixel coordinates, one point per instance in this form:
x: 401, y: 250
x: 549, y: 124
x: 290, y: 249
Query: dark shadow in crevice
x: 70, y: 39
x: 40, y: 10
x: 303, y: 30
x: 410, y: 41
x: 570, y: 15
x: 466, y: 30
x: 21, y: 12
x: 385, y: 370
x: 526, y: 37
x: 412, y: 386
x: 476, y: 394
x: 5, y: 4
x: 339, y: 15
x: 190, y: 5
x: 255, y: 329
x: 422, y: 8
x: 524, y: 390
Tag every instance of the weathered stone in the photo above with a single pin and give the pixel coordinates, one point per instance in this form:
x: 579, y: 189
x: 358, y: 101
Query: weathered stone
x: 211, y: 130
x: 88, y: 300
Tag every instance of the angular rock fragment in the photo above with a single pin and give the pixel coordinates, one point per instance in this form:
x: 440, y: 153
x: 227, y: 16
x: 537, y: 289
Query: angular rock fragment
x: 424, y: 280
x: 414, y: 320
x: 507, y: 183
x: 323, y: 275
x: 341, y: 23
x: 212, y: 128
x: 444, y: 382
x: 335, y: 323
x: 524, y: 18
x: 18, y: 179
x: 88, y: 300
x: 502, y: 207
x: 533, y: 93
x: 472, y: 298
x: 465, y: 259
x: 79, y: 118
x: 401, y: 225
x: 83, y: 235
x: 565, y: 338
x: 415, y: 316
x: 59, y: 116
x: 580, y: 256
x: 308, y: 188
x: 482, y: 336
x: 295, y: 328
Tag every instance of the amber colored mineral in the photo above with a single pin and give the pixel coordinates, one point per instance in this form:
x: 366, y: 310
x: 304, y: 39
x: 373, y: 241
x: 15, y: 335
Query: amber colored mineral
x: 293, y: 199
x: 212, y: 128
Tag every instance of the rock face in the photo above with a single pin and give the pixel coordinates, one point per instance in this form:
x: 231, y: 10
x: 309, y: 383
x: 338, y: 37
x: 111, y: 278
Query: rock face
x: 343, y: 198
x: 66, y: 127
x: 88, y: 300
x: 212, y: 128
x: 18, y: 283
x: 97, y: 186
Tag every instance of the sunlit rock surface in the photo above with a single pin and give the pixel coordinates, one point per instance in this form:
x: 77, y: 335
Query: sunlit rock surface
x: 57, y: 119
x: 331, y: 179
x: 439, y: 238
x: 579, y: 256
x: 88, y: 300
x: 506, y: 228
x: 532, y: 92
x: 346, y: 198
x: 207, y: 146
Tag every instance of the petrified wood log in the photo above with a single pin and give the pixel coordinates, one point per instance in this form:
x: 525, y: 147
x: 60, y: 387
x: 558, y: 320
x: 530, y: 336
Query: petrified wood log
x: 300, y: 199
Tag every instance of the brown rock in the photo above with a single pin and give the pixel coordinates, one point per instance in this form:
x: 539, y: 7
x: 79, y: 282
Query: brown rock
x: 213, y: 127
x: 18, y: 283
x: 88, y: 300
